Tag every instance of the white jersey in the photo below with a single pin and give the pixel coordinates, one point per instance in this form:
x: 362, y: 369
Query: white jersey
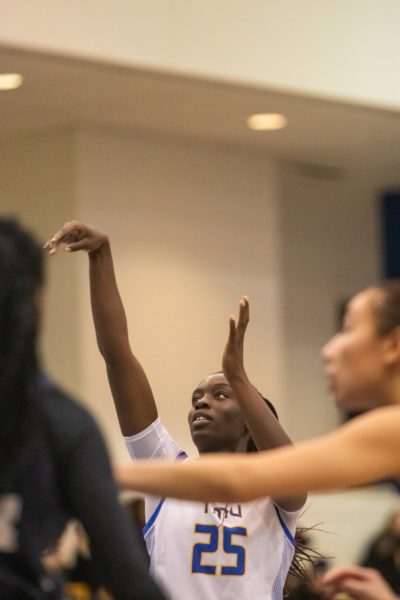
x: 213, y: 552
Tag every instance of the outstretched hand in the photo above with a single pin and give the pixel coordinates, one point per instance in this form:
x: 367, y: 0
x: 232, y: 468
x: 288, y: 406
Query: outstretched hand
x: 361, y: 583
x: 76, y: 236
x: 232, y: 359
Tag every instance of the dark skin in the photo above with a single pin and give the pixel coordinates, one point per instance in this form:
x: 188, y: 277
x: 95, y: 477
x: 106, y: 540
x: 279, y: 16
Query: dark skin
x: 215, y: 420
x: 232, y: 409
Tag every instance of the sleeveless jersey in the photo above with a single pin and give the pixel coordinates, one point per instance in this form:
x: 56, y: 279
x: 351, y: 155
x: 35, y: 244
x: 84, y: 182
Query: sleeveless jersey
x: 213, y: 551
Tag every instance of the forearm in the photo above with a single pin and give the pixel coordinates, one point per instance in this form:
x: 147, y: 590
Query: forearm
x: 107, y: 308
x: 340, y: 460
x: 264, y: 427
x: 214, y: 478
x: 129, y: 385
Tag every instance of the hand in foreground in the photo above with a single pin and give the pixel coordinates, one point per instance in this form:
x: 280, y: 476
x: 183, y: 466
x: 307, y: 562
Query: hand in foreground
x: 76, y: 236
x: 232, y: 359
x: 359, y: 582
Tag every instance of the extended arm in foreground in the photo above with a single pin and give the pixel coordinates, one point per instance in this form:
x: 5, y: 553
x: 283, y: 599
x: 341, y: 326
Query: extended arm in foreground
x: 363, y: 451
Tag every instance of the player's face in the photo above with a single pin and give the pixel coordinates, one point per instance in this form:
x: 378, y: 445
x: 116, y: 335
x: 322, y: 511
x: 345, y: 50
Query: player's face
x: 216, y: 423
x: 356, y: 357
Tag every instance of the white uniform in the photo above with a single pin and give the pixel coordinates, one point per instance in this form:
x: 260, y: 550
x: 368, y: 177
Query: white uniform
x: 213, y: 552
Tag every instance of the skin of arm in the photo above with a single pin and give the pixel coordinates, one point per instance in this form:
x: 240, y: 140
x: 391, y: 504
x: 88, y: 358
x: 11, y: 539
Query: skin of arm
x: 264, y: 428
x: 360, y: 582
x: 364, y: 450
x: 133, y: 397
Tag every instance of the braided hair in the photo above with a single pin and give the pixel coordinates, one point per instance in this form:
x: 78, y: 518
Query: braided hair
x: 21, y: 275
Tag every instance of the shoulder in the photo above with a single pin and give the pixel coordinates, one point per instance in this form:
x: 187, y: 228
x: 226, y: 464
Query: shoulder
x: 154, y: 442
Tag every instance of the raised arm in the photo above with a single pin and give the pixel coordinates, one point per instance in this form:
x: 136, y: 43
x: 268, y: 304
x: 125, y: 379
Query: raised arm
x: 363, y: 451
x: 265, y: 429
x: 129, y: 385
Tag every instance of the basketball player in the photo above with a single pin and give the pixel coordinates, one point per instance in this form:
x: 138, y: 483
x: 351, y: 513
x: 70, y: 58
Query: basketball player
x: 198, y: 550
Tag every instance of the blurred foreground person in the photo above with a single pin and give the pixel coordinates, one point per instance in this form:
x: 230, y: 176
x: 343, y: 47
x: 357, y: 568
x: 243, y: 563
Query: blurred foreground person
x: 53, y: 462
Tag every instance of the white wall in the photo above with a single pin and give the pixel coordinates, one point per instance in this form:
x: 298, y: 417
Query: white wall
x: 347, y: 49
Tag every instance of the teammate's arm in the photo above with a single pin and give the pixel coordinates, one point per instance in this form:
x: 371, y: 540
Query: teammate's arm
x: 363, y: 451
x: 130, y: 387
x: 264, y: 427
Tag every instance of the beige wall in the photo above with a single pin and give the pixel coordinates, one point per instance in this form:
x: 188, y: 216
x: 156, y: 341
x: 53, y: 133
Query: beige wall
x: 347, y: 49
x: 37, y: 184
x: 330, y: 231
x: 193, y: 228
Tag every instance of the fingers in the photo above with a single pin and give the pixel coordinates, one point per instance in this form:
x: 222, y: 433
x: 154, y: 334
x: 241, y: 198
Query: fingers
x: 335, y: 575
x: 232, y: 331
x: 70, y: 233
x: 75, y: 246
x: 243, y: 320
x: 244, y: 313
x: 360, y: 582
x: 237, y: 331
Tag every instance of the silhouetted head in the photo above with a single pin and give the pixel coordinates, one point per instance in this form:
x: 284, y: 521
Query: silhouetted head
x: 363, y: 359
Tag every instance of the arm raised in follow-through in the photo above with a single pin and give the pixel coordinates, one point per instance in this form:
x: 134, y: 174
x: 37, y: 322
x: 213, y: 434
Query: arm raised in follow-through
x: 133, y: 397
x: 264, y: 428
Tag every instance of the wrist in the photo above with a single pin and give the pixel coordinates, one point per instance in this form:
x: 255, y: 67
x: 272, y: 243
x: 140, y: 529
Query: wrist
x: 238, y: 378
x: 102, y: 250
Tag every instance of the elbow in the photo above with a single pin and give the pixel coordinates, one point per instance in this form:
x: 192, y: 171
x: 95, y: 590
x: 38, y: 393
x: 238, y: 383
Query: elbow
x: 114, y: 353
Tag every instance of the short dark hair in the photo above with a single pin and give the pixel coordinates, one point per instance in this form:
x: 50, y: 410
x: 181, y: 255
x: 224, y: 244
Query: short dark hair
x: 387, y: 311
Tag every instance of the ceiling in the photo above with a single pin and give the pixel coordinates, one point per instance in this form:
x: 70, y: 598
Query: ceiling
x: 59, y: 92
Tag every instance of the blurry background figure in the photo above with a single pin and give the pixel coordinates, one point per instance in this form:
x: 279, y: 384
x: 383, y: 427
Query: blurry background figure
x: 383, y: 554
x: 356, y: 583
x: 310, y: 589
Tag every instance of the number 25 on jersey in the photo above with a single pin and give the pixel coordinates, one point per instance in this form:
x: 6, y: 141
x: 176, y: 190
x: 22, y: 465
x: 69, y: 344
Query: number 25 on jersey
x: 210, y: 546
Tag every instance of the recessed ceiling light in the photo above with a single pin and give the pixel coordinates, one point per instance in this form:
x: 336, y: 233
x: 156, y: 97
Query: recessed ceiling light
x: 267, y: 121
x: 10, y: 81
